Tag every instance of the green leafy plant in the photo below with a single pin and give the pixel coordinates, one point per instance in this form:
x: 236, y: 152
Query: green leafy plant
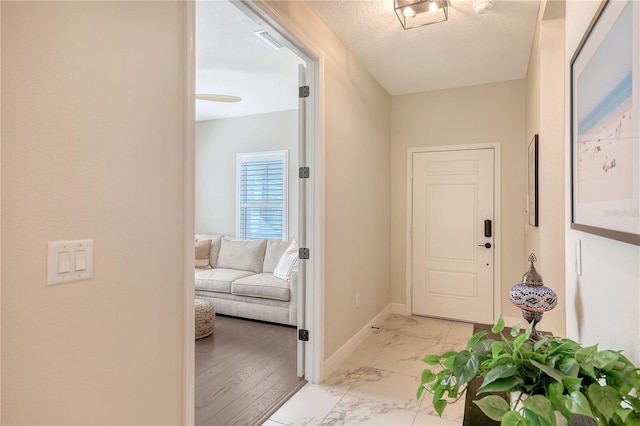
x: 536, y: 379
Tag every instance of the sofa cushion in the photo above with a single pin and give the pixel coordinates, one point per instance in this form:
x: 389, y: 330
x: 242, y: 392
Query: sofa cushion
x: 243, y: 255
x: 203, y: 249
x: 261, y: 285
x: 218, y: 279
x: 215, y: 246
x: 273, y: 253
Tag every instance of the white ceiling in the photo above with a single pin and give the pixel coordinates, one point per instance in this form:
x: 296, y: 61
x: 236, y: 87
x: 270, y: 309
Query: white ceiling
x: 467, y: 49
x: 231, y: 60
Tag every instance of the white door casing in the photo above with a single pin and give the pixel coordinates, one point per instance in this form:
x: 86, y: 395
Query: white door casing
x: 452, y: 269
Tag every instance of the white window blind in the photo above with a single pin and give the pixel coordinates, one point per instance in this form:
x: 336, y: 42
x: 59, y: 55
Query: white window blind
x: 262, y: 195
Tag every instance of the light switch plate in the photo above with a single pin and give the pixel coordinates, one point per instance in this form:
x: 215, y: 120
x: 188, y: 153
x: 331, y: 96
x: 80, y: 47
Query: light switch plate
x: 73, y: 248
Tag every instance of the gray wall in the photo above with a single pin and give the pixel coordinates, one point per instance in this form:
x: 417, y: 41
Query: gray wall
x: 217, y: 144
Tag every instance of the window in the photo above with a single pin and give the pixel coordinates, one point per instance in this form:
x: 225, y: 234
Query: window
x: 262, y: 195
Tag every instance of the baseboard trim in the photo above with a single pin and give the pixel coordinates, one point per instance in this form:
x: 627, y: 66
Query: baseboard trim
x: 332, y: 363
x: 400, y: 309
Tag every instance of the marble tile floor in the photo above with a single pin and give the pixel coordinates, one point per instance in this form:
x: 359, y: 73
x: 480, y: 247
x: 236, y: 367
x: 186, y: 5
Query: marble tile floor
x: 377, y: 384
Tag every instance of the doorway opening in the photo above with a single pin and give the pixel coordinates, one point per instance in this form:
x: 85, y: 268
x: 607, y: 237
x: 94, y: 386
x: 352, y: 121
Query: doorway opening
x: 239, y: 54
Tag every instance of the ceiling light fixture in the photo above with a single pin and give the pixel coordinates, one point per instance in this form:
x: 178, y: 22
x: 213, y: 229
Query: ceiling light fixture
x: 413, y: 13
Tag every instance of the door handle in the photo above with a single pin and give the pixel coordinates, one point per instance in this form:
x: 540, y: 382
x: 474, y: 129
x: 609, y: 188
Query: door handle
x: 486, y: 245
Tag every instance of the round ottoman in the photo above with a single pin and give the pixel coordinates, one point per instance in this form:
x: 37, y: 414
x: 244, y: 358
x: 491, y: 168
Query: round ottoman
x: 205, y: 316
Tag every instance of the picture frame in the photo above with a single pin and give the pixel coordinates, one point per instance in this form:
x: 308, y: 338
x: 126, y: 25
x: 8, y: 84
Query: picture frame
x: 532, y: 181
x: 605, y: 143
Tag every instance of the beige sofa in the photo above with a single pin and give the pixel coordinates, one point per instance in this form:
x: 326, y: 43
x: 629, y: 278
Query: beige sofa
x: 254, y: 279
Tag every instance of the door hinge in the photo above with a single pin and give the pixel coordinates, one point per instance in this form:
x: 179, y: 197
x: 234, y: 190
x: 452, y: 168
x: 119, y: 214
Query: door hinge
x: 303, y: 253
x: 304, y: 173
x: 303, y: 92
x: 303, y: 335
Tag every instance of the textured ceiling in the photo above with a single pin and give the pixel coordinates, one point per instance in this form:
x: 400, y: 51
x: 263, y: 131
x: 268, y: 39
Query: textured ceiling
x: 231, y: 60
x: 467, y: 49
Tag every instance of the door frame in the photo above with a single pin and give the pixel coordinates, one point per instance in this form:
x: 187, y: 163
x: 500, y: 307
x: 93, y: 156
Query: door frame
x: 295, y: 39
x: 497, y: 219
x: 314, y: 303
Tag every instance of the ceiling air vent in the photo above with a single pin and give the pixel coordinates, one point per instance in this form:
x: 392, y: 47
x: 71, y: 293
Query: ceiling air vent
x: 269, y: 39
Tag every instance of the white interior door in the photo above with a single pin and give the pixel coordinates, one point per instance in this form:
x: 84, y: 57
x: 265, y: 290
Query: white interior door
x: 452, y: 253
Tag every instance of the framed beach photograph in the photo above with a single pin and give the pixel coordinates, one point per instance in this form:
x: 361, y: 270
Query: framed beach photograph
x: 532, y: 181
x: 605, y: 141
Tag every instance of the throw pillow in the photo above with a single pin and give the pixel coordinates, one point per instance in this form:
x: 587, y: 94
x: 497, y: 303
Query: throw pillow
x: 287, y: 262
x: 242, y: 255
x: 203, y: 248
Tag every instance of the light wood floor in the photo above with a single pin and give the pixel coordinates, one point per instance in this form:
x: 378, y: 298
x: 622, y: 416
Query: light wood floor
x: 244, y: 371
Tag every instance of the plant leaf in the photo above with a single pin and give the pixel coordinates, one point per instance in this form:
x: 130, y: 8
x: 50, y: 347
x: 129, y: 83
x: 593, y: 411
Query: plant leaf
x: 419, y: 392
x: 517, y: 344
x: 476, y: 337
x: 502, y: 385
x: 465, y: 366
x: 496, y: 349
x: 568, y: 344
x: 449, y: 360
x: 571, y: 383
x: 539, y: 405
x: 583, y: 353
x: 552, y: 372
x: 623, y: 413
x: 587, y: 369
x: 632, y: 419
x: 493, y: 406
x: 513, y: 418
x: 604, y: 359
x: 570, y: 367
x: 440, y: 405
x: 499, y: 326
x: 427, y: 376
x: 515, y: 330
x: 577, y: 403
x: 554, y: 391
x: 604, y: 398
x: 499, y: 372
x: 431, y: 359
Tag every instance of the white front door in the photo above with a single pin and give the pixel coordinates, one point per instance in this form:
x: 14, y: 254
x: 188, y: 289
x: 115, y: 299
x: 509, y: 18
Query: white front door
x: 452, y: 244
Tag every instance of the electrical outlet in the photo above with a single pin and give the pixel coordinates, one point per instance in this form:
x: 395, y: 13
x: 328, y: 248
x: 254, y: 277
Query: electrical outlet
x: 357, y: 300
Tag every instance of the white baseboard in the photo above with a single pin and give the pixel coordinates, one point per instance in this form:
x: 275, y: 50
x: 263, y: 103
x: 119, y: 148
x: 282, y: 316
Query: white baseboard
x: 338, y: 357
x: 400, y: 309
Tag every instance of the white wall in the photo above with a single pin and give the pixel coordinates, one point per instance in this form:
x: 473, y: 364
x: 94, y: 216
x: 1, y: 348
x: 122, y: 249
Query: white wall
x: 485, y: 113
x: 355, y: 146
x: 217, y: 144
x: 0, y: 215
x: 92, y: 147
x: 545, y: 117
x: 602, y: 304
